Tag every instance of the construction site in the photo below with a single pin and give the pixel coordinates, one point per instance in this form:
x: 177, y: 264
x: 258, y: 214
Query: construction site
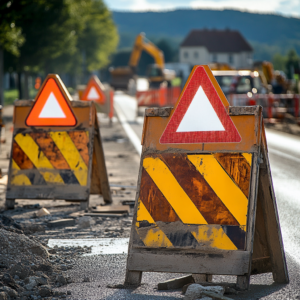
x: 169, y: 180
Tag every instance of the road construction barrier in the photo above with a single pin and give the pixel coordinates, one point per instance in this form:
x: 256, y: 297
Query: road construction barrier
x: 56, y: 149
x: 158, y: 97
x: 205, y: 201
x: 275, y: 105
x: 101, y: 94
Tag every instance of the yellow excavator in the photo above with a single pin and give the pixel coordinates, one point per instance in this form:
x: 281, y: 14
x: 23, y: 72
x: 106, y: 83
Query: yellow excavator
x: 156, y: 74
x: 220, y: 66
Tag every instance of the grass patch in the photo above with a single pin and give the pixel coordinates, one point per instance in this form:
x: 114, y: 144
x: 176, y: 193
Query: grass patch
x: 11, y: 95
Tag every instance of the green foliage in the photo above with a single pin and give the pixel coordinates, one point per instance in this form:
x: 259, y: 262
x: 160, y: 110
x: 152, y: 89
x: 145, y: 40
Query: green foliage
x: 278, y: 61
x: 57, y: 35
x: 11, y: 37
x: 167, y: 49
x: 10, y: 96
x: 292, y: 64
x: 99, y: 37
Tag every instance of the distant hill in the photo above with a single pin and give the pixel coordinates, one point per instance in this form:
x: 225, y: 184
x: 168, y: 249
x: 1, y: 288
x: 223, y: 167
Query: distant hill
x: 268, y: 33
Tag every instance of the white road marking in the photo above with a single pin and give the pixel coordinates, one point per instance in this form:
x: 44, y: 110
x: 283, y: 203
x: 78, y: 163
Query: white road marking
x: 99, y: 246
x: 129, y: 131
x: 284, y: 142
x: 285, y: 155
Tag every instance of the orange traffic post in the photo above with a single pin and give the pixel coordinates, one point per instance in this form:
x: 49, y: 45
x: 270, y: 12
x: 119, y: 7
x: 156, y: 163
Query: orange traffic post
x: 296, y: 106
x: 205, y: 201
x: 270, y: 106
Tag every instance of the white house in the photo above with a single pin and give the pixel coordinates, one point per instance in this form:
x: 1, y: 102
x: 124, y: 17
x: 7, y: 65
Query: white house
x: 205, y: 46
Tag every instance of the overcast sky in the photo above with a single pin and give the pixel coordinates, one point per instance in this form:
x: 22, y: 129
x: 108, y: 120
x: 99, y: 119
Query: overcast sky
x: 286, y: 7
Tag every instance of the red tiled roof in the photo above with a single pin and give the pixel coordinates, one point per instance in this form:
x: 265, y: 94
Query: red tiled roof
x: 217, y: 40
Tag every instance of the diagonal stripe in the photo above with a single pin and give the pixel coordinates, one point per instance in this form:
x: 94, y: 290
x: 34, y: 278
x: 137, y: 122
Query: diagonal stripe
x: 143, y: 214
x: 81, y: 141
x: 176, y: 196
x: 155, y: 202
x: 46, y: 144
x: 216, y: 236
x: 237, y: 235
x: 14, y: 165
x: 154, y: 236
x: 71, y: 154
x: 222, y: 184
x: 198, y: 190
x: 20, y: 158
x: 37, y: 157
x: 18, y: 179
x: 237, y: 167
x: 248, y: 157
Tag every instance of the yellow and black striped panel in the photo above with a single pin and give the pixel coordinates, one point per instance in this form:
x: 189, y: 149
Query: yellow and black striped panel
x: 196, y: 201
x: 50, y: 158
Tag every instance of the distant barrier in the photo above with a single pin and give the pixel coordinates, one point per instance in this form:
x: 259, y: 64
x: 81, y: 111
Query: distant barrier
x: 158, y: 97
x: 275, y: 105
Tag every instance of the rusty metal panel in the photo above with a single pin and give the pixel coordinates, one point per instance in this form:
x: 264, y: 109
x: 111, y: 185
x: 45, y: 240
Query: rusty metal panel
x: 55, y: 162
x: 53, y: 158
x: 194, y: 201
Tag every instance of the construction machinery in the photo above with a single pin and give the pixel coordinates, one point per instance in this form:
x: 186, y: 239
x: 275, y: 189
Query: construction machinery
x: 276, y: 79
x: 217, y: 66
x: 239, y: 82
x: 156, y: 74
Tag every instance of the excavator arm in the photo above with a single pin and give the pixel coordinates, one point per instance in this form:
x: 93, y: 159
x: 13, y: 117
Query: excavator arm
x: 121, y: 76
x: 142, y: 44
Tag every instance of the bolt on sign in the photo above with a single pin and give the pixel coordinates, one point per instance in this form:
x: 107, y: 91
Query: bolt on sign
x: 205, y: 202
x: 101, y: 94
x: 56, y: 150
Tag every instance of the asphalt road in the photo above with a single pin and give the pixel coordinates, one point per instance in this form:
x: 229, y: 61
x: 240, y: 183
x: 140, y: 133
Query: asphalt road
x: 284, y: 152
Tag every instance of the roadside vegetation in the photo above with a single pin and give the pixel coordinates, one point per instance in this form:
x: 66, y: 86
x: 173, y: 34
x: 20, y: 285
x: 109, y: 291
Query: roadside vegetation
x: 38, y: 37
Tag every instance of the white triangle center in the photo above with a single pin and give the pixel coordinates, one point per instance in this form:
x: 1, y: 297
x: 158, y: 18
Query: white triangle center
x: 52, y: 108
x: 93, y: 94
x: 200, y: 116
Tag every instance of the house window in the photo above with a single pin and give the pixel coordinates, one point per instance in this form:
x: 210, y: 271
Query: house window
x: 196, y: 54
x: 215, y: 58
x: 185, y: 54
x: 230, y: 58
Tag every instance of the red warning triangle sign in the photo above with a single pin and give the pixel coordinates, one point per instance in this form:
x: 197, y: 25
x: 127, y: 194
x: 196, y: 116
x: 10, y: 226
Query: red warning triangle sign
x: 200, y: 114
x: 52, y: 105
x: 94, y: 91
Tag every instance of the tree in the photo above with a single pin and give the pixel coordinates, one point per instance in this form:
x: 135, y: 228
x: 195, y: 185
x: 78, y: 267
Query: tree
x: 167, y: 49
x: 96, y: 40
x: 279, y: 62
x: 292, y: 63
x: 99, y: 37
x: 11, y: 38
x: 59, y: 33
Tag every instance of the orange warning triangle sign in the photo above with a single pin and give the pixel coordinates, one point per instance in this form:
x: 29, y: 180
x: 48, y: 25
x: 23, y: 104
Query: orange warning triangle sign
x: 52, y: 105
x: 94, y: 91
x: 200, y: 114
